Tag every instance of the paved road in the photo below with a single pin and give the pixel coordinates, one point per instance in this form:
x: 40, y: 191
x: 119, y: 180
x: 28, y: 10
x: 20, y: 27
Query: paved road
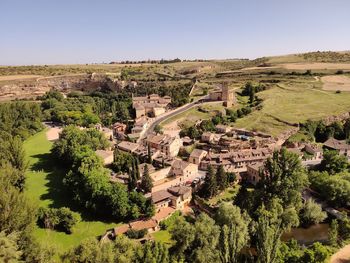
x: 172, y: 113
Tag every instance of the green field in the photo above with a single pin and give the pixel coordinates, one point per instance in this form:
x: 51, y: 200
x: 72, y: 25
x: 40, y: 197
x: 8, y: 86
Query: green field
x: 163, y: 236
x: 293, y: 103
x: 44, y: 187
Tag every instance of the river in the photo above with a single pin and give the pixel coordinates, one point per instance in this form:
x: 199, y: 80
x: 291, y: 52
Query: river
x: 308, y: 235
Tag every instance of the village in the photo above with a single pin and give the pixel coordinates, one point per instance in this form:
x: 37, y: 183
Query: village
x: 176, y: 178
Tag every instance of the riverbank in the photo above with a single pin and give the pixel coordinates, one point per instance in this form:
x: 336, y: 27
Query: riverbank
x: 342, y: 255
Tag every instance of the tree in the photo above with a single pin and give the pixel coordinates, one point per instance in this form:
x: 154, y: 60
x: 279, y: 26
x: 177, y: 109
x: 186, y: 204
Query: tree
x: 317, y: 253
x: 210, y: 184
x: 60, y: 219
x: 9, y: 250
x: 154, y: 252
x: 312, y: 213
x: 91, y: 250
x: 158, y: 129
x: 234, y: 233
x: 198, y: 242
x: 221, y: 178
x: 333, y: 232
x: 149, y: 154
x: 347, y: 129
x: 183, y: 234
x: 272, y: 222
x: 333, y: 188
x: 146, y: 181
x: 333, y: 162
x: 284, y: 177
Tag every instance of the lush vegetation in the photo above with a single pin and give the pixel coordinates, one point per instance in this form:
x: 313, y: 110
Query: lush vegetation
x: 20, y: 118
x: 60, y: 219
x: 87, y: 110
x: 88, y: 180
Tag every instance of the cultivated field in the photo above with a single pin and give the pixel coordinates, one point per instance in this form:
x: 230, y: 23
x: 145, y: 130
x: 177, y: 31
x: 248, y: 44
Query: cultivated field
x: 336, y: 82
x: 18, y: 77
x: 316, y: 66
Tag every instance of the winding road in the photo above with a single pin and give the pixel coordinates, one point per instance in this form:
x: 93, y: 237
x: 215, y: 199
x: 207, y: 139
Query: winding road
x: 172, y: 113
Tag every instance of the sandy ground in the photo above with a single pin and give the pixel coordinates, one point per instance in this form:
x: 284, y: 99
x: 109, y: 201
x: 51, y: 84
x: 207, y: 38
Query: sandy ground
x: 53, y: 133
x: 342, y: 256
x: 336, y: 83
x: 172, y: 129
x: 315, y: 66
x: 18, y: 77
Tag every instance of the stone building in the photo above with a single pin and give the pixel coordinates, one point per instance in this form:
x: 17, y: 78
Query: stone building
x: 224, y: 94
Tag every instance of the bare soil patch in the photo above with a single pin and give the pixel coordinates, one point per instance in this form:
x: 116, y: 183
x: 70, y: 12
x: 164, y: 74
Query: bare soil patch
x: 316, y: 66
x: 53, y: 133
x: 172, y: 128
x: 342, y: 256
x: 336, y: 83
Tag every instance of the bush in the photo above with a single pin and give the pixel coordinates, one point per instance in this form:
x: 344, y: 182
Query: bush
x: 136, y: 234
x: 62, y: 219
x: 169, y: 222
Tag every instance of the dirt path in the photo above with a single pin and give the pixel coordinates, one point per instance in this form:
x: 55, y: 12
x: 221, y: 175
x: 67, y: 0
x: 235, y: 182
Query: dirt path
x: 342, y: 255
x: 52, y: 133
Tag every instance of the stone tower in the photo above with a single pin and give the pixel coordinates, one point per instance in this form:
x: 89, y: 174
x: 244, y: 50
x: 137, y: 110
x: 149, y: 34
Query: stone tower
x: 227, y: 95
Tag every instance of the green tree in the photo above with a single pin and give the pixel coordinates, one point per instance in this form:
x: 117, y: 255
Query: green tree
x: 312, y: 213
x: 333, y: 162
x: 154, y: 252
x: 284, y: 177
x: 234, y: 233
x: 149, y: 154
x: 158, y: 129
x: 146, y: 181
x: 333, y: 233
x: 9, y: 250
x: 210, y: 185
x: 317, y: 253
x: 221, y: 178
x: 272, y: 222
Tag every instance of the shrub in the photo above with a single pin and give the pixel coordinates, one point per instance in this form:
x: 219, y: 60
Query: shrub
x: 136, y: 234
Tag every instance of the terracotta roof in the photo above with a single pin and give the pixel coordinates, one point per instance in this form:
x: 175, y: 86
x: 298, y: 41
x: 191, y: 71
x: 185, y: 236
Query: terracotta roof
x: 196, y: 153
x: 179, y: 190
x: 256, y: 166
x: 336, y: 144
x: 150, y: 167
x: 159, y: 139
x: 163, y: 213
x: 179, y: 164
x: 121, y: 229
x: 160, y: 196
x: 128, y: 146
x: 141, y: 224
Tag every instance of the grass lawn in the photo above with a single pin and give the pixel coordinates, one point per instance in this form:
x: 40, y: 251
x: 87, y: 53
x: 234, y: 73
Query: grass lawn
x: 163, y: 236
x: 44, y: 187
x: 226, y: 195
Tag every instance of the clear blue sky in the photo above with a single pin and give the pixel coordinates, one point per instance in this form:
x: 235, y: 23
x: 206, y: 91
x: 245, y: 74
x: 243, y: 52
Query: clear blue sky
x: 86, y: 31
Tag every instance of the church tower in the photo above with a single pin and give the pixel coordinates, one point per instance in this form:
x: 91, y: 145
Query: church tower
x: 227, y: 95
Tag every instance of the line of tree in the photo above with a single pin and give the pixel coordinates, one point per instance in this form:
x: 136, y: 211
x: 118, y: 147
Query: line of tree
x: 320, y: 132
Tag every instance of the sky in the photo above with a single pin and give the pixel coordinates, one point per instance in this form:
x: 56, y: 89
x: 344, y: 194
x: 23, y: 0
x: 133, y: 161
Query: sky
x: 85, y: 31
